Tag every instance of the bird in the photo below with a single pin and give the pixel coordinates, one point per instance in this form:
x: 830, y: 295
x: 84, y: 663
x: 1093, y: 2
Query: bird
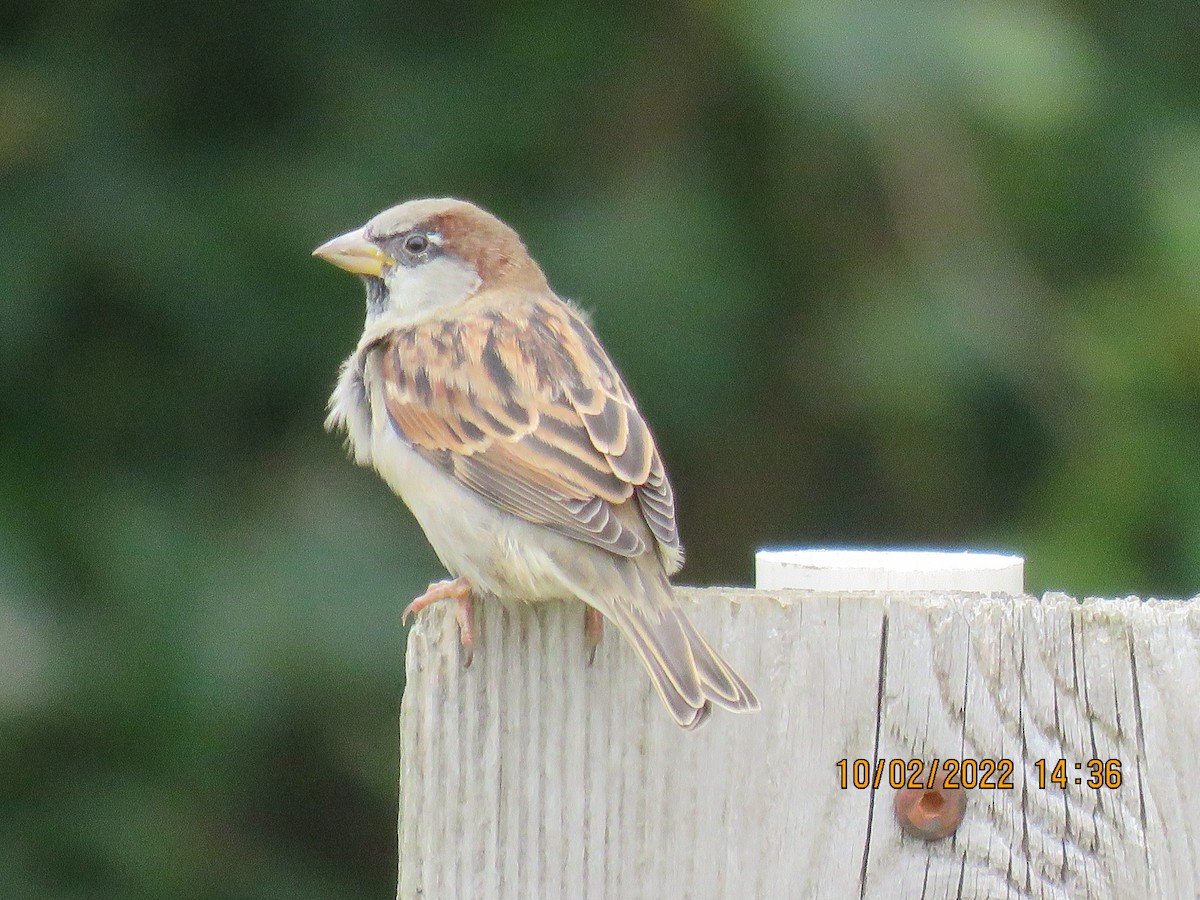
x: 488, y: 405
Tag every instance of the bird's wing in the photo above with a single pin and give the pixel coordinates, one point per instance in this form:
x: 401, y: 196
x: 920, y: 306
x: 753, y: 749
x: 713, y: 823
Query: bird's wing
x: 519, y: 402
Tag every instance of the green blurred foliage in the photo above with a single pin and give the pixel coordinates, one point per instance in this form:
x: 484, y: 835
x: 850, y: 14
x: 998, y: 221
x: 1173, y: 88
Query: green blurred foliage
x: 880, y: 273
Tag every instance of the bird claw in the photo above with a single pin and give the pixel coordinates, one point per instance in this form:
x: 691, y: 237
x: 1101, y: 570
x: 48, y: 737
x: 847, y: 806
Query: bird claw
x: 593, y: 630
x: 458, y: 590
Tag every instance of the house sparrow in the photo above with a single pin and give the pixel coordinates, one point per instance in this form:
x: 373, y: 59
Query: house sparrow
x: 488, y: 405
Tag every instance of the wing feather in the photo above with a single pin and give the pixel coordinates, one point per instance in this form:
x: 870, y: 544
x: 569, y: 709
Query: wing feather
x: 520, y: 403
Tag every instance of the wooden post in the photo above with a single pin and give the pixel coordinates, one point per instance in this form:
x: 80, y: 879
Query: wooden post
x: 530, y: 775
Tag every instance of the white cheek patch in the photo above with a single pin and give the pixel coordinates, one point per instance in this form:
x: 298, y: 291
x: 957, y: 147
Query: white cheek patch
x: 416, y: 292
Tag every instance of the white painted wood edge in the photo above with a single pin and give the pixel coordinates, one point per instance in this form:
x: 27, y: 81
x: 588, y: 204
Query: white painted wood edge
x: 857, y: 570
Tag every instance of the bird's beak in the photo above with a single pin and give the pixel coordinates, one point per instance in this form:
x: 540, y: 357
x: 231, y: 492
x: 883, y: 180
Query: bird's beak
x: 354, y: 253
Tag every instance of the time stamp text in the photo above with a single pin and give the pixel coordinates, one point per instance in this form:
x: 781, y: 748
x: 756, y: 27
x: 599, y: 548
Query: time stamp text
x: 982, y: 774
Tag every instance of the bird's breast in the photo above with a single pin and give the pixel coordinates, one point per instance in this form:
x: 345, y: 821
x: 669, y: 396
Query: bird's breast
x: 500, y: 554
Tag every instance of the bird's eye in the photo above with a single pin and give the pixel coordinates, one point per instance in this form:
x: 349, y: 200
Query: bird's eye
x: 416, y: 243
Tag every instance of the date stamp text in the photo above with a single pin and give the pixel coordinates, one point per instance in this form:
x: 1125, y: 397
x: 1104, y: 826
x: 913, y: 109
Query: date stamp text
x: 982, y: 774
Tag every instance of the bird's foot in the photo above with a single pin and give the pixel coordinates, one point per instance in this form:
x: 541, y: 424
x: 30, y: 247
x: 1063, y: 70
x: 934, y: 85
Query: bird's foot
x: 458, y: 590
x: 593, y: 630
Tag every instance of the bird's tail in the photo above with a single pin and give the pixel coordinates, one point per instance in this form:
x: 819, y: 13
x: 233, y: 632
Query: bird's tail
x: 687, y: 673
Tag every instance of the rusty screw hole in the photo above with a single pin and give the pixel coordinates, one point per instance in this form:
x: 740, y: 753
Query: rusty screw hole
x: 931, y: 803
x: 930, y: 813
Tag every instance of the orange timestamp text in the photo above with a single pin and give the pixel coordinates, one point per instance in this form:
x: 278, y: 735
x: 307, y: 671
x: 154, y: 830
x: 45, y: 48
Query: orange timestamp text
x: 921, y: 774
x: 1093, y: 773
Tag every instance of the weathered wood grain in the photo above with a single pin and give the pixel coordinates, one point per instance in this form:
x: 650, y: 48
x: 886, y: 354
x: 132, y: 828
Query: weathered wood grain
x: 532, y: 775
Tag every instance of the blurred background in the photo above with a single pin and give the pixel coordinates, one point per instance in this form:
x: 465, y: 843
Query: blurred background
x: 879, y: 273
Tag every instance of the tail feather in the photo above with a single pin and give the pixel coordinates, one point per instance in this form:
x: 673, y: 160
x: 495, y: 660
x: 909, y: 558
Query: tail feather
x: 687, y: 709
x: 687, y: 673
x: 722, y: 684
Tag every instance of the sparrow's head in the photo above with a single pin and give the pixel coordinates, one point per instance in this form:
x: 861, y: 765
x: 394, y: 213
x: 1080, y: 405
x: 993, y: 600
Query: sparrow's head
x: 424, y: 255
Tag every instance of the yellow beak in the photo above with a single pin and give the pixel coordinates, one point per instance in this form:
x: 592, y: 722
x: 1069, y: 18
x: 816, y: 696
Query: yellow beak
x: 354, y: 253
